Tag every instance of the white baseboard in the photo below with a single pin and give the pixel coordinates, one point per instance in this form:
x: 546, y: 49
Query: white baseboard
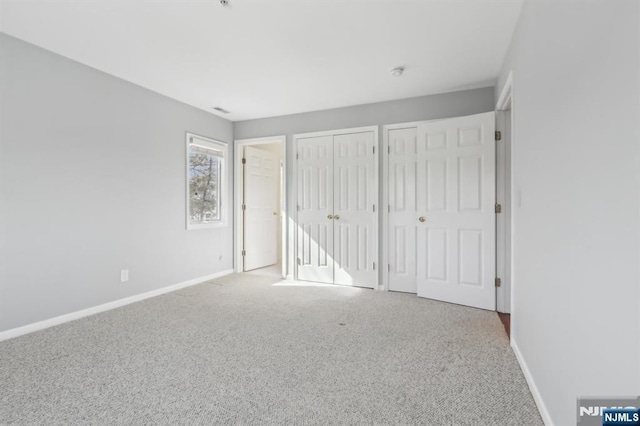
x: 544, y: 413
x: 41, y: 325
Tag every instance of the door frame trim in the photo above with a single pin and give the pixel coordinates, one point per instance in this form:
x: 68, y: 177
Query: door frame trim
x: 238, y: 185
x: 293, y: 224
x: 504, y: 293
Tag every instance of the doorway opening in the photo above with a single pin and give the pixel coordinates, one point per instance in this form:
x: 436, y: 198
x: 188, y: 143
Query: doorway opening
x: 260, y: 192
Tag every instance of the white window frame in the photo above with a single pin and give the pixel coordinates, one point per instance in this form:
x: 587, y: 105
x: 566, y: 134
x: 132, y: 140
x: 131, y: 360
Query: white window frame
x: 212, y: 144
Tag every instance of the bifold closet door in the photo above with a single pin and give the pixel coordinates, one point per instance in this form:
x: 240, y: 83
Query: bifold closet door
x: 315, y: 209
x: 354, y: 218
x: 336, y: 226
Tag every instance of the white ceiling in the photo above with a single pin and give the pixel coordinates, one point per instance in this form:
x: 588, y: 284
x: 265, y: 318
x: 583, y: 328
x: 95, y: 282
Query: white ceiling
x: 261, y: 58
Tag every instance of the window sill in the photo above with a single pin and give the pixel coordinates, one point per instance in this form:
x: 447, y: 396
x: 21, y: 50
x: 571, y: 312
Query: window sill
x: 207, y: 226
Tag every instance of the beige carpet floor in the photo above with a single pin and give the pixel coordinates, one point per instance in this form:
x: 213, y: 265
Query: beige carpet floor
x: 244, y: 349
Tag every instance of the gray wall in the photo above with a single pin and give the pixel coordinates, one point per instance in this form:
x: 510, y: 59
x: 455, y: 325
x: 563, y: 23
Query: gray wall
x: 413, y: 109
x: 92, y: 182
x: 405, y: 110
x: 576, y: 165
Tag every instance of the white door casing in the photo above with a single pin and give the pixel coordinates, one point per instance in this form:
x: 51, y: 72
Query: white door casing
x: 315, y: 209
x: 505, y: 197
x: 354, y: 218
x: 456, y: 198
x: 503, y: 220
x: 261, y: 208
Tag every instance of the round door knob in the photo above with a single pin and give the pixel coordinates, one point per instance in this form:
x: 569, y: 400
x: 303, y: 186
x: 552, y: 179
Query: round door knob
x: 329, y: 217
x: 275, y: 213
x: 422, y: 219
x: 336, y: 217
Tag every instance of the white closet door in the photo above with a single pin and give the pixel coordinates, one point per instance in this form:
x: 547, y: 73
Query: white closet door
x: 261, y: 207
x: 402, y: 209
x: 456, y: 199
x: 315, y: 204
x: 354, y: 219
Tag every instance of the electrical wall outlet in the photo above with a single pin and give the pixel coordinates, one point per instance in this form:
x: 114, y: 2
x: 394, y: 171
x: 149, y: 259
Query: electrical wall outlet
x: 124, y: 275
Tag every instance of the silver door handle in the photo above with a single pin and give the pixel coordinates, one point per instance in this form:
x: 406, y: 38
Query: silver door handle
x: 329, y: 217
x: 422, y: 219
x: 336, y: 217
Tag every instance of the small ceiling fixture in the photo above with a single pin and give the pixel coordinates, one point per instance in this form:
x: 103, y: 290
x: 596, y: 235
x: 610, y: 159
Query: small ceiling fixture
x: 224, y: 3
x: 222, y: 110
x: 397, y: 71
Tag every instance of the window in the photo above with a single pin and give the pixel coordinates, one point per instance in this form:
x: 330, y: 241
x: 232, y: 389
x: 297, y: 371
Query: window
x: 205, y: 182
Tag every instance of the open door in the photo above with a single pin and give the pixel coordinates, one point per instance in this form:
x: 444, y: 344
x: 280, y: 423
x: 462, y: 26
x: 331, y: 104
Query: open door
x: 260, y: 207
x: 455, y: 205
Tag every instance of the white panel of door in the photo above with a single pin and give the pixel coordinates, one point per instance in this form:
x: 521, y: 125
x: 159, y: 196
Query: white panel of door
x: 402, y: 209
x: 456, y: 198
x: 354, y: 218
x: 261, y: 207
x: 315, y: 209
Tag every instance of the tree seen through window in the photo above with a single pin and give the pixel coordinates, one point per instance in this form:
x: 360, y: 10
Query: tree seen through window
x: 204, y: 186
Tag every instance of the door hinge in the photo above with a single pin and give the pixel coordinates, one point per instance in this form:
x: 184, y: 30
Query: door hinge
x: 374, y: 208
x: 389, y: 208
x: 374, y: 266
x: 374, y: 149
x: 389, y: 149
x: 498, y: 208
x: 244, y: 161
x: 244, y: 207
x: 297, y: 156
x: 498, y: 135
x: 244, y: 252
x: 498, y: 282
x: 298, y: 207
x: 299, y: 261
x: 388, y: 267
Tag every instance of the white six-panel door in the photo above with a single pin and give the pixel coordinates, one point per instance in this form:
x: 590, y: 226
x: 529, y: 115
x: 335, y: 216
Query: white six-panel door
x: 336, y: 219
x: 402, y: 209
x: 315, y: 209
x: 441, y: 202
x: 456, y: 242
x: 260, y: 208
x: 354, y: 217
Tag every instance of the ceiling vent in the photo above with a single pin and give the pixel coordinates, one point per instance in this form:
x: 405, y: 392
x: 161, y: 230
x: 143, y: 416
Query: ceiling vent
x: 222, y: 110
x: 397, y: 72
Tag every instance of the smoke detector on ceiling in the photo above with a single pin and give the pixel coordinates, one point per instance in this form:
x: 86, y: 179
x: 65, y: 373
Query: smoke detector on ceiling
x: 397, y: 71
